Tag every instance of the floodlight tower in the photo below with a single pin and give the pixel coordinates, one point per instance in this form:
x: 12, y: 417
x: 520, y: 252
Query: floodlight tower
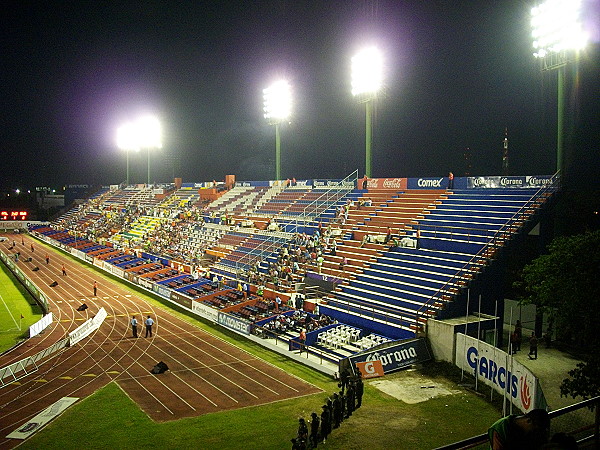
x: 367, y: 80
x: 126, y: 140
x: 143, y: 133
x: 277, y: 109
x: 149, y: 134
x: 557, y: 36
x: 505, y: 170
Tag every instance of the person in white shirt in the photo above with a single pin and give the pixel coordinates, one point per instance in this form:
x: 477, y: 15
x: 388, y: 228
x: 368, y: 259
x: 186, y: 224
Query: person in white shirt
x: 134, y: 324
x: 149, y: 322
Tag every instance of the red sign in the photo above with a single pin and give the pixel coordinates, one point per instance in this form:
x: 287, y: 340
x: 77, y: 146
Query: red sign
x: 387, y: 183
x: 370, y: 369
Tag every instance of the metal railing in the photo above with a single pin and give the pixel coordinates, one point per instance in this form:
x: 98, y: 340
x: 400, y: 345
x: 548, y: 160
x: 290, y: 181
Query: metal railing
x: 309, y: 213
x: 385, y: 314
x: 502, y: 235
x: 594, y: 436
x: 20, y: 369
x: 325, y: 201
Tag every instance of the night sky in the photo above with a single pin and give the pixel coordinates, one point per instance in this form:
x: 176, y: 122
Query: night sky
x: 457, y: 73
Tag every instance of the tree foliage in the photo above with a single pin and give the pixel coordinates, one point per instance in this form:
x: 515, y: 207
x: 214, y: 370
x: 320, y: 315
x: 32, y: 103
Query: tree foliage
x: 565, y: 283
x: 584, y: 380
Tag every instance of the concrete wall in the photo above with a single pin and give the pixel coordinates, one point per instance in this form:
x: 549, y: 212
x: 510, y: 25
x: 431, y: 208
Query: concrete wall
x: 441, y: 340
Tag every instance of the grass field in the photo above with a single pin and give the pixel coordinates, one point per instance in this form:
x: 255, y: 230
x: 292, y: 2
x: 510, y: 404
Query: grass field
x: 15, y: 302
x: 109, y: 419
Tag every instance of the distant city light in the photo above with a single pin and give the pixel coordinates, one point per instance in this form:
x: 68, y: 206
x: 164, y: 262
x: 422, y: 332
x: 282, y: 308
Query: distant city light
x: 556, y: 27
x: 367, y: 72
x: 277, y: 102
x: 18, y: 191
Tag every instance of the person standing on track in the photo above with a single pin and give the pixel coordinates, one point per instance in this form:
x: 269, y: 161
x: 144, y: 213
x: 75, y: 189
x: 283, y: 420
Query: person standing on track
x: 95, y: 288
x: 47, y: 258
x: 134, y: 324
x: 149, y: 322
x: 64, y: 270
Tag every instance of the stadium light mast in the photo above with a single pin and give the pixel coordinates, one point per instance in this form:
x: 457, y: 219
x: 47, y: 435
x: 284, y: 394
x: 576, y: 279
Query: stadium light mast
x: 143, y: 133
x: 367, y: 80
x: 126, y: 140
x: 557, y: 35
x: 277, y: 109
x: 150, y: 136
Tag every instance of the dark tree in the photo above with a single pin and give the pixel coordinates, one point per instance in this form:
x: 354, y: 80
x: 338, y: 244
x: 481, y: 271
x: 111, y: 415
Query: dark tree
x: 565, y: 283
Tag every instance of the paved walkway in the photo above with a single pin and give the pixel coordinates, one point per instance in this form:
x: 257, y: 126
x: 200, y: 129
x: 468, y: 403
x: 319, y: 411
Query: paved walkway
x: 551, y: 368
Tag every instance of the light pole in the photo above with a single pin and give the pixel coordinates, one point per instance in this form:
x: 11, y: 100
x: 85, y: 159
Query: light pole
x: 126, y: 140
x: 557, y: 34
x: 367, y: 79
x: 277, y: 109
x: 145, y: 132
x: 149, y: 135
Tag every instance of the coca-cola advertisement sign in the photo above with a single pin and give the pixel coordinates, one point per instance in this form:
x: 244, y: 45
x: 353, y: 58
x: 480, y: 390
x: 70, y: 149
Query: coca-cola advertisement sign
x: 386, y: 183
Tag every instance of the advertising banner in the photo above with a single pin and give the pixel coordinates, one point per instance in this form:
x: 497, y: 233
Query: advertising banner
x: 428, y: 183
x: 251, y: 183
x: 42, y: 419
x: 181, y: 299
x: 498, y: 370
x: 162, y: 291
x: 499, y: 182
x: 145, y: 282
x: 233, y: 323
x: 117, y: 271
x: 205, y: 311
x: 87, y: 327
x: 386, y: 183
x: 396, y: 357
x: 40, y: 325
x: 370, y: 369
x: 347, y: 184
x: 77, y: 253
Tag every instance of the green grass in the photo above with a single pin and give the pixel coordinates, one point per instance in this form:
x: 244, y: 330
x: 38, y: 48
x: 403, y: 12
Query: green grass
x: 109, y: 419
x: 14, y: 302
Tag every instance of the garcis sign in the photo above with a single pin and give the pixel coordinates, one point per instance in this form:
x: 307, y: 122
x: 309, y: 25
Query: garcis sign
x: 498, y: 370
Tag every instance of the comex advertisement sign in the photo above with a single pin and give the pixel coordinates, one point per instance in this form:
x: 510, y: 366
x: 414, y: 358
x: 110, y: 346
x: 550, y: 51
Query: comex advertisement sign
x: 498, y: 370
x: 396, y: 356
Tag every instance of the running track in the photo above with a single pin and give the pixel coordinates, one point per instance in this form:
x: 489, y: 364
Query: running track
x: 206, y: 374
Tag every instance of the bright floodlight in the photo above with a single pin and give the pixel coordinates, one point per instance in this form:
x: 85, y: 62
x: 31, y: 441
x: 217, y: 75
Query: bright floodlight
x: 145, y: 133
x: 556, y: 26
x: 367, y: 72
x: 277, y: 102
x: 277, y: 109
x: 149, y: 132
x: 127, y: 137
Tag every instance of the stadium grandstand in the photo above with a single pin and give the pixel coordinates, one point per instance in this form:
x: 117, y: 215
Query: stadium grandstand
x: 355, y: 263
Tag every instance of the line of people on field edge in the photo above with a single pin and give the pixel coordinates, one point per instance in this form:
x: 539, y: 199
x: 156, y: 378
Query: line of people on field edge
x: 336, y: 409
